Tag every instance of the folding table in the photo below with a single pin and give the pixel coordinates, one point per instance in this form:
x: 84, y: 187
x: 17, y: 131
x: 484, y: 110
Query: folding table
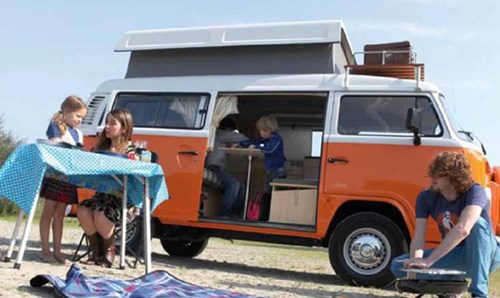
x: 249, y: 153
x: 139, y: 183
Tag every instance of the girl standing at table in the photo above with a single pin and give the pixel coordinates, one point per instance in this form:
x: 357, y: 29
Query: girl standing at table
x: 57, y: 194
x: 99, y: 215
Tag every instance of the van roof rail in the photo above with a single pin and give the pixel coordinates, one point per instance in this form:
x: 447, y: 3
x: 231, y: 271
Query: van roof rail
x: 404, y: 66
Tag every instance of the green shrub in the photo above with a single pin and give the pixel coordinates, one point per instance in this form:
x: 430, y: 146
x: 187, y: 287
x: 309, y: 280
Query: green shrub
x: 8, y: 143
x: 8, y: 208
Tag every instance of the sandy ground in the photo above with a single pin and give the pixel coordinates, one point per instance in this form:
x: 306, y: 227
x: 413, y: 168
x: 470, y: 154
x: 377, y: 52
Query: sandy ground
x: 245, y: 267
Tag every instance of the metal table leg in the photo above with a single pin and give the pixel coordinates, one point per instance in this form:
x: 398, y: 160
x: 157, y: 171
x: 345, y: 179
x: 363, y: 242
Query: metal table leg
x: 123, y: 240
x: 13, y: 240
x: 26, y: 232
x: 146, y: 205
x: 247, y: 190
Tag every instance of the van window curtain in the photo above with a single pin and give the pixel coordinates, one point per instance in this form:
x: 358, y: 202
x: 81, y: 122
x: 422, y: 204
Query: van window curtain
x: 224, y: 106
x: 187, y: 107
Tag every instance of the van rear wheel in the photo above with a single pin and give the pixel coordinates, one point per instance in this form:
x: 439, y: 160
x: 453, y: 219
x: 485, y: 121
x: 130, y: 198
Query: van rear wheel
x: 362, y: 247
x: 184, y: 248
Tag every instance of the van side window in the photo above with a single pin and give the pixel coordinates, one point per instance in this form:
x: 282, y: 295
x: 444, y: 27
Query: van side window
x: 385, y: 115
x: 165, y: 110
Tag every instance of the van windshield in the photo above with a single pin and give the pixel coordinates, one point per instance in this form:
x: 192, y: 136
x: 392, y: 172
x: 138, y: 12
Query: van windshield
x: 457, y: 128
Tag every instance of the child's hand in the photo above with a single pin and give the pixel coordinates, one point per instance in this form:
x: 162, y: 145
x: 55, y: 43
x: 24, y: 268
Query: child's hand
x: 251, y: 147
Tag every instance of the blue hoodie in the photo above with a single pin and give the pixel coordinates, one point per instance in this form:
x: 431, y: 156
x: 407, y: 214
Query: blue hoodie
x: 273, y: 149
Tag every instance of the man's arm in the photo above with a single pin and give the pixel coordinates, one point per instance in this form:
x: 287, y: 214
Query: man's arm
x: 418, y: 241
x: 460, y: 231
x: 229, y: 137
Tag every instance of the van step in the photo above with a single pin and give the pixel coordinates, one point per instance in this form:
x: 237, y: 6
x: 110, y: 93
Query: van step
x: 261, y: 224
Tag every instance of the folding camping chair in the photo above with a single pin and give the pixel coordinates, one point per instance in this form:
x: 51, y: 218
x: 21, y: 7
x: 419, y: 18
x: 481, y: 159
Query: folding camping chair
x: 134, y: 225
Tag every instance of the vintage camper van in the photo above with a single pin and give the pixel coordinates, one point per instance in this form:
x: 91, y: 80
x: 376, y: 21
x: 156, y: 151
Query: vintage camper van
x: 357, y: 138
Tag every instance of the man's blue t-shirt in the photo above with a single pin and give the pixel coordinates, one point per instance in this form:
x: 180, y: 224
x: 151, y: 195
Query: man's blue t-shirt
x: 447, y: 213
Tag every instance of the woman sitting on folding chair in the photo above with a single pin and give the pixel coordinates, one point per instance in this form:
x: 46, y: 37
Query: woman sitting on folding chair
x: 99, y: 215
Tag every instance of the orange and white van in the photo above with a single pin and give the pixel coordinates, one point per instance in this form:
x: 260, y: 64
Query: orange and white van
x: 357, y: 146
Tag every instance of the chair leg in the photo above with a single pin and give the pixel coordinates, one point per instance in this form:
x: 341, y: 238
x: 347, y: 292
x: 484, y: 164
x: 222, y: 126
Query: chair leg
x: 137, y: 256
x: 77, y: 258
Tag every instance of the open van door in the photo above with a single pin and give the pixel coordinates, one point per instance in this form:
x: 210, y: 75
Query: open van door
x: 173, y: 125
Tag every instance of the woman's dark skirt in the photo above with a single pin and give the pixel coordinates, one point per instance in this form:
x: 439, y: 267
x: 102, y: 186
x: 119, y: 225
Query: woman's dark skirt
x: 109, y: 204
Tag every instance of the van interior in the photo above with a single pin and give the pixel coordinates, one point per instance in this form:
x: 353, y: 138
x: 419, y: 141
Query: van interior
x: 292, y: 204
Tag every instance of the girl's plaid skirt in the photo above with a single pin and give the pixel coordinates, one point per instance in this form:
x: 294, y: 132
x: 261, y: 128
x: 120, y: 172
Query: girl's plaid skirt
x: 59, y: 191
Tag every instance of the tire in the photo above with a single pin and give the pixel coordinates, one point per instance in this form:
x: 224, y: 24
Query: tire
x: 371, y: 234
x: 134, y: 237
x: 184, y: 248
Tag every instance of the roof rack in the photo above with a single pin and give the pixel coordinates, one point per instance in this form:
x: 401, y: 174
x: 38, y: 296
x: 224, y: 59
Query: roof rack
x: 394, y: 68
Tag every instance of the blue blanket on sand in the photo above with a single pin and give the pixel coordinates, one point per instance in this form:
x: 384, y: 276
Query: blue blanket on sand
x: 155, y: 284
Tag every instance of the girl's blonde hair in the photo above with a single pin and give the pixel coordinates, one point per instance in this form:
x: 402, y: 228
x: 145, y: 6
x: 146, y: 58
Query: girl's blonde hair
x: 267, y: 122
x: 70, y: 104
x: 125, y: 118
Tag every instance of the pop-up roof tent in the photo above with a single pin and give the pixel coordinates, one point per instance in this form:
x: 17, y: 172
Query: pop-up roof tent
x: 319, y: 47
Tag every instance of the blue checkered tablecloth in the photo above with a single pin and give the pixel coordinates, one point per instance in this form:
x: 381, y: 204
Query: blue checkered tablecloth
x: 22, y: 174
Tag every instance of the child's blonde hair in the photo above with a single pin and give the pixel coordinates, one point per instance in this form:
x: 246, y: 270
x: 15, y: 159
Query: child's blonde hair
x: 267, y: 122
x: 70, y: 104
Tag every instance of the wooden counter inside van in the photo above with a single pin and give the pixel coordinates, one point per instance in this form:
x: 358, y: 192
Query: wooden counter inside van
x: 294, y: 201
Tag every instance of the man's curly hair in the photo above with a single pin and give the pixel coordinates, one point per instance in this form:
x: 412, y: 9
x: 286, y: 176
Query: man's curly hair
x: 455, y: 166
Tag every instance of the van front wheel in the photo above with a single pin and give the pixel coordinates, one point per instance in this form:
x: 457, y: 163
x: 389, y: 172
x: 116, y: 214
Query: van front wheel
x: 184, y: 248
x: 362, y: 247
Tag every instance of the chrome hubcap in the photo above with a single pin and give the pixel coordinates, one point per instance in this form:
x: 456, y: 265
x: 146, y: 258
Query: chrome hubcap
x: 367, y: 251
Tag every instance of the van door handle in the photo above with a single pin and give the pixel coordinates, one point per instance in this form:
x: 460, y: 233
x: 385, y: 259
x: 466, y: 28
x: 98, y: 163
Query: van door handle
x: 338, y: 160
x: 188, y: 152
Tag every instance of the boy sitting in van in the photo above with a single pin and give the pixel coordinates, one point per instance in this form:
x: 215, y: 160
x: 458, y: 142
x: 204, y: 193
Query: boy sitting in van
x: 233, y: 196
x: 271, y: 144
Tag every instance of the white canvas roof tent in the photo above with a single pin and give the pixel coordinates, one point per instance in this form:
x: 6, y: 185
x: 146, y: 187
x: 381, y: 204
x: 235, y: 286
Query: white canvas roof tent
x: 319, y: 47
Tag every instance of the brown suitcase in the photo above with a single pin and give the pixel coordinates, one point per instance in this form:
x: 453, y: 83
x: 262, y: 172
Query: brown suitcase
x: 390, y: 58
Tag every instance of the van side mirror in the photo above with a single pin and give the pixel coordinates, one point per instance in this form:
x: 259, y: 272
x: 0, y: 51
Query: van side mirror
x: 414, y: 124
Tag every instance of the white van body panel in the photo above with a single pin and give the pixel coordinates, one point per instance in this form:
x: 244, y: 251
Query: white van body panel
x: 256, y: 83
x: 234, y: 35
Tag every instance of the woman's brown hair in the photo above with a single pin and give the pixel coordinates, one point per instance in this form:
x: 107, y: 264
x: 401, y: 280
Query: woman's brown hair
x: 70, y: 104
x: 455, y: 166
x: 125, y: 118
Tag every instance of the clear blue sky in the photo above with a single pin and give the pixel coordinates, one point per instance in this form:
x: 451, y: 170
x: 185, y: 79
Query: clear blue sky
x: 49, y: 49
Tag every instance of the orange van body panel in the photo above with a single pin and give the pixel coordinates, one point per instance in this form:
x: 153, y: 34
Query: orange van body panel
x: 483, y: 175
x: 478, y: 165
x: 495, y: 208
x: 183, y: 174
x: 389, y: 174
x: 495, y: 201
x: 178, y: 169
